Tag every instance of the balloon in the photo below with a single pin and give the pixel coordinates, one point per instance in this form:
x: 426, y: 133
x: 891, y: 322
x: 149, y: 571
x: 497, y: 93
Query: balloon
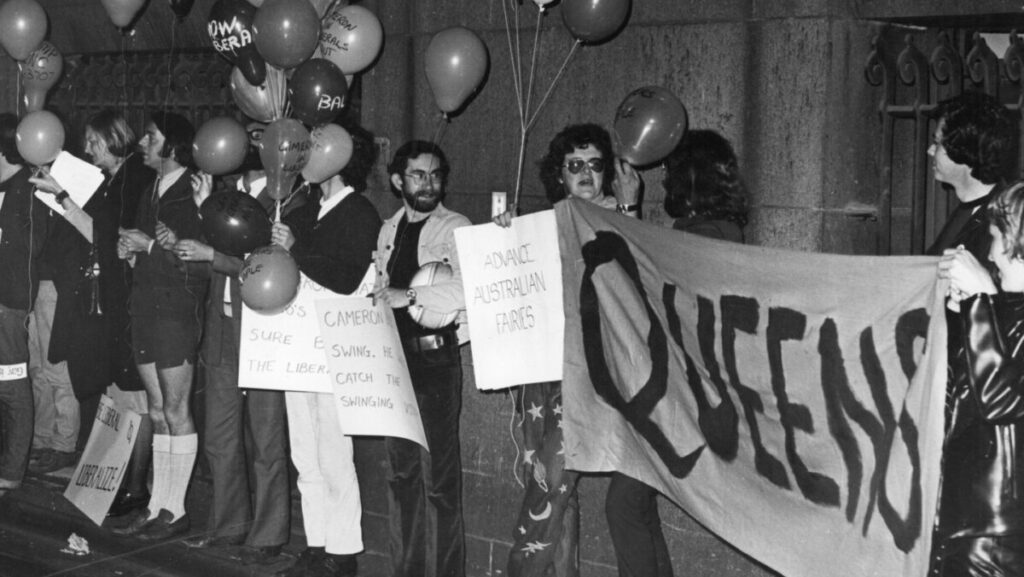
x: 22, y: 27
x: 351, y: 38
x: 269, y: 280
x: 594, y: 20
x: 220, y: 145
x: 648, y: 124
x: 287, y: 31
x: 40, y: 137
x: 317, y: 91
x: 39, y: 73
x: 122, y: 12
x: 456, y: 61
x: 284, y: 151
x: 181, y: 7
x: 332, y: 149
x: 321, y: 6
x: 230, y: 27
x: 234, y: 223
x: 263, y: 102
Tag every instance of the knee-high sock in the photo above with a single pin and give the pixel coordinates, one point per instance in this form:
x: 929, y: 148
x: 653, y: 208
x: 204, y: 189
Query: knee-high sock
x: 183, y: 457
x: 161, y: 474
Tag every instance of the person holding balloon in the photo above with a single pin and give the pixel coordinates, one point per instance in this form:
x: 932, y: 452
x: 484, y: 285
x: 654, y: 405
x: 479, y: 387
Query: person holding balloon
x: 425, y: 500
x: 166, y: 310
x: 91, y: 322
x: 22, y: 230
x: 580, y: 166
x: 332, y: 241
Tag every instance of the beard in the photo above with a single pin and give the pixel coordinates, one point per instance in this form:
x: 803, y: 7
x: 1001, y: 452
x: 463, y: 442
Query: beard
x: 423, y: 200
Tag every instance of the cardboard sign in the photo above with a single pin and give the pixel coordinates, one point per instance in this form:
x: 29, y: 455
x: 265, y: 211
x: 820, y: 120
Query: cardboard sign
x: 512, y: 278
x: 98, y: 475
x: 368, y: 370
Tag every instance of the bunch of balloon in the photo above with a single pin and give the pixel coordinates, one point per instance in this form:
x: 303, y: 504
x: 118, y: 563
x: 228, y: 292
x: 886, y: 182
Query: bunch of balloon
x: 284, y: 150
x: 39, y: 137
x: 230, y: 27
x: 316, y: 91
x: 351, y: 38
x: 263, y: 102
x: 455, y: 63
x: 649, y: 124
x: 123, y: 12
x: 39, y: 73
x: 332, y: 149
x: 269, y: 280
x: 287, y: 32
x: 22, y: 27
x: 220, y: 145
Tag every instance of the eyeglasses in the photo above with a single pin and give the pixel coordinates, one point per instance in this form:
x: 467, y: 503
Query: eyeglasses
x: 576, y: 165
x: 421, y: 176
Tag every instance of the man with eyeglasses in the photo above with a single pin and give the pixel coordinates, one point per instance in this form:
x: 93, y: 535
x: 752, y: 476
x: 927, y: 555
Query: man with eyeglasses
x: 425, y: 497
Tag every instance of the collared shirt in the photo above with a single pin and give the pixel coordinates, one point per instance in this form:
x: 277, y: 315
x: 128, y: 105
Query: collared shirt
x: 255, y: 187
x: 326, y: 204
x: 165, y: 182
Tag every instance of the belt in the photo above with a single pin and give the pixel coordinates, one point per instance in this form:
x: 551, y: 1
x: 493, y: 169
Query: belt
x: 430, y: 342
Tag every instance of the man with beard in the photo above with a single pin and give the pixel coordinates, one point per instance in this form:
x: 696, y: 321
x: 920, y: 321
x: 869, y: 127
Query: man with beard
x: 422, y: 232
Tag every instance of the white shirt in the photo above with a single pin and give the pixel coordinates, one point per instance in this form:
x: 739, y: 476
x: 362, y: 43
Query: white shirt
x: 255, y: 187
x: 165, y: 182
x: 326, y: 204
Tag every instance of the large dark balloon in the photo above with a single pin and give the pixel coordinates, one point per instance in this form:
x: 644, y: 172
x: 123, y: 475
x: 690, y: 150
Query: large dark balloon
x: 230, y: 27
x: 593, y: 21
x: 234, y: 223
x: 317, y: 91
x: 181, y: 7
x: 269, y: 280
x: 287, y: 32
x: 649, y: 123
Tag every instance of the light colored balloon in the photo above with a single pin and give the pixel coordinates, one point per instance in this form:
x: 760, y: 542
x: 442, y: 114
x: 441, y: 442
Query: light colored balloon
x: 332, y: 149
x: 351, y: 37
x: 40, y: 137
x: 284, y: 151
x: 263, y: 102
x: 22, y: 27
x: 649, y: 123
x: 455, y: 63
x: 220, y: 145
x: 39, y: 73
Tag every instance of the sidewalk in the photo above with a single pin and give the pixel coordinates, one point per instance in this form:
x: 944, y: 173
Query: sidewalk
x: 36, y: 522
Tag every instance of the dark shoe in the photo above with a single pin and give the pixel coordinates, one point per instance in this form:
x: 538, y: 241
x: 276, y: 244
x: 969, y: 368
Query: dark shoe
x: 164, y: 527
x: 259, y: 555
x: 53, y: 461
x: 212, y: 542
x: 127, y: 501
x: 334, y: 566
x: 137, y: 521
x: 309, y: 557
x: 36, y: 454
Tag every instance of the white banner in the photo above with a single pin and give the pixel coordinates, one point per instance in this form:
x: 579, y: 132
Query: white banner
x: 284, y: 352
x: 369, y: 373
x: 98, y: 476
x: 512, y: 278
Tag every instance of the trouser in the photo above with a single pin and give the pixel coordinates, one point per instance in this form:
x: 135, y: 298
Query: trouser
x: 261, y: 512
x: 427, y: 537
x: 545, y: 540
x: 16, y: 411
x: 56, y: 409
x: 997, y: 556
x: 635, y: 526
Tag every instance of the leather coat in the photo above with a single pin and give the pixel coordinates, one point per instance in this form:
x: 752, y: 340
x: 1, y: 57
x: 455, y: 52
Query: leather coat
x: 983, y: 461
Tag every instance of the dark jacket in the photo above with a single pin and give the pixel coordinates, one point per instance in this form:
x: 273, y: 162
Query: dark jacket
x: 164, y: 286
x: 23, y: 224
x: 983, y: 459
x: 97, y: 348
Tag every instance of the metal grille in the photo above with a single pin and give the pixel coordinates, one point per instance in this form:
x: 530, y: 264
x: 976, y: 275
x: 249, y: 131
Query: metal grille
x: 915, y: 70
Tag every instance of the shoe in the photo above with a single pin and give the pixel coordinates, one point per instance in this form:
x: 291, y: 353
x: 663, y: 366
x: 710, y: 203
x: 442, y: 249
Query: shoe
x: 163, y: 527
x: 8, y: 485
x: 259, y: 555
x: 334, y: 566
x: 127, y: 501
x: 309, y: 557
x: 53, y: 461
x: 213, y: 542
x: 37, y: 453
x: 137, y: 521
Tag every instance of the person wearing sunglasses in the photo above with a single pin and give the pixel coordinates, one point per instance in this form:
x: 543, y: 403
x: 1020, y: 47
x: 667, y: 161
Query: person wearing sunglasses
x: 580, y: 165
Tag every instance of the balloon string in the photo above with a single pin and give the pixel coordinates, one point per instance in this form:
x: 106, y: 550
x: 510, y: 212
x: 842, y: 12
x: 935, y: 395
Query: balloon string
x: 441, y: 128
x: 533, y: 60
x: 170, y: 66
x: 277, y: 216
x: 512, y: 53
x: 554, y: 81
x: 17, y: 92
x: 519, y: 171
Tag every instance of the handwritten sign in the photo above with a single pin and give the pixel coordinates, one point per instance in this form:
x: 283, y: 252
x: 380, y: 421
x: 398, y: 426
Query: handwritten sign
x: 369, y: 373
x: 284, y: 352
x: 512, y: 278
x: 76, y: 176
x: 98, y: 476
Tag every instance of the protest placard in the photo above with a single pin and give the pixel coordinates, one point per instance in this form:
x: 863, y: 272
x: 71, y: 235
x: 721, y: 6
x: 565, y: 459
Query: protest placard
x: 98, y: 475
x: 513, y: 283
x: 369, y: 373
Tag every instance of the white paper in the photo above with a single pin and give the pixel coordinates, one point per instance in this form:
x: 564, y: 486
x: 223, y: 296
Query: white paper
x: 76, y: 176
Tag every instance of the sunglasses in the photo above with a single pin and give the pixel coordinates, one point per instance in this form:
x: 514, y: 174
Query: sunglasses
x: 576, y: 165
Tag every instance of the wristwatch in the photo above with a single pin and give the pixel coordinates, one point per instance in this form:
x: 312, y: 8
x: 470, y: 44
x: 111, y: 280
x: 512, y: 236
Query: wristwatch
x: 411, y: 295
x: 61, y: 196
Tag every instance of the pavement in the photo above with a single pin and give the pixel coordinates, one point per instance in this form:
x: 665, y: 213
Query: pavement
x: 37, y: 524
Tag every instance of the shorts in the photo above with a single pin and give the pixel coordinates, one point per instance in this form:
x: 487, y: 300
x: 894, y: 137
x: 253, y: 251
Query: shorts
x: 136, y: 401
x: 168, y: 343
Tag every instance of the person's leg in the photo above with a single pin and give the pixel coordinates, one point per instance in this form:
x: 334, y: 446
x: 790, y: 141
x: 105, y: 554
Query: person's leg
x: 300, y: 408
x: 16, y: 407
x: 176, y: 385
x: 271, y: 520
x: 342, y: 506
x: 161, y: 444
x: 406, y: 507
x: 58, y: 403
x: 223, y: 443
x: 631, y: 508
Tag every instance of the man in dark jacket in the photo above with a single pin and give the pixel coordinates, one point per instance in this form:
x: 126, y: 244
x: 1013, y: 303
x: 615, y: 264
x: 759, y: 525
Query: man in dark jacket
x: 22, y: 230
